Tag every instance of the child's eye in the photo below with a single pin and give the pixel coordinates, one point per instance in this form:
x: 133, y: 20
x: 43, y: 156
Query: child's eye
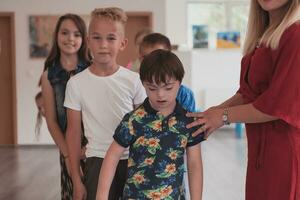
x: 170, y: 88
x: 64, y: 32
x: 77, y: 35
x: 96, y: 37
x: 151, y: 89
x: 111, y: 38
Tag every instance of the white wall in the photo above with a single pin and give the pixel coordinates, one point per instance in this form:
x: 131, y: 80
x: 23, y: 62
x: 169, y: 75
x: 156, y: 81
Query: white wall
x: 213, y: 75
x: 176, y: 21
x: 28, y: 70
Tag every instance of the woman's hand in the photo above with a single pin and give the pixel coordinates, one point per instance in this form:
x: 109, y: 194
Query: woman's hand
x: 211, y: 119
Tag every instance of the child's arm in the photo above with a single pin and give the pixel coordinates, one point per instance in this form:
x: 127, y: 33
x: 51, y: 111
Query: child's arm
x: 108, y: 170
x: 195, y: 171
x: 51, y: 116
x: 73, y: 138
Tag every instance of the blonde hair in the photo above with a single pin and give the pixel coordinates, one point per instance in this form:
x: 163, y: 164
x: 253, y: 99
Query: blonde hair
x: 260, y: 30
x: 112, y: 13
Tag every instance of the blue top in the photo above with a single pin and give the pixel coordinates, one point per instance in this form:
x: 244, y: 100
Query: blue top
x: 58, y: 78
x: 157, y: 147
x: 186, y: 98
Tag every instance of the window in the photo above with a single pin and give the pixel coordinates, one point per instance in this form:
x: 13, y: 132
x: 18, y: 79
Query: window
x: 218, y: 17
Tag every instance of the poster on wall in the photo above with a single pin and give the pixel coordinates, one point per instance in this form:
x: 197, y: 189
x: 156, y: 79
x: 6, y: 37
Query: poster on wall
x: 200, y: 36
x: 229, y: 39
x: 41, y: 28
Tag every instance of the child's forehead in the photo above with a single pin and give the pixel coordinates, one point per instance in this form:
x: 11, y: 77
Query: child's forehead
x: 68, y: 24
x: 105, y: 25
x: 168, y: 81
x: 151, y: 47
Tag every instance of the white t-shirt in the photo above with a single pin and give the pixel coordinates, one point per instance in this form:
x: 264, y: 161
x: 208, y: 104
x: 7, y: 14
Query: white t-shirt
x: 103, y: 101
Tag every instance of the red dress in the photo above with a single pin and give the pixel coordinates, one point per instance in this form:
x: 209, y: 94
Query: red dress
x: 270, y: 80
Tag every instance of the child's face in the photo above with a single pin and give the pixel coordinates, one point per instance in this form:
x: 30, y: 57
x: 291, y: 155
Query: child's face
x: 105, y: 40
x: 148, y: 49
x: 69, y: 38
x: 162, y: 96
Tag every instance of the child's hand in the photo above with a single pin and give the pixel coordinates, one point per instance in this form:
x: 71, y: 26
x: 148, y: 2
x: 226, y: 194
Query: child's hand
x: 79, y: 191
x: 83, y: 150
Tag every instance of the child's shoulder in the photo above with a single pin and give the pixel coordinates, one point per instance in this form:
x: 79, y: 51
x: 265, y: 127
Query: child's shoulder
x: 181, y: 114
x: 128, y: 73
x: 186, y: 90
x: 79, y: 76
x: 138, y: 112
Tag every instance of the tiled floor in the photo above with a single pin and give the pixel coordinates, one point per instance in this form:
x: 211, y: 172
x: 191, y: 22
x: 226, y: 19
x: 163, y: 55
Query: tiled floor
x: 224, y: 160
x: 32, y: 173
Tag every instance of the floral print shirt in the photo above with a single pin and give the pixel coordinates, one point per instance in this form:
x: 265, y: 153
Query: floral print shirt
x: 156, y: 148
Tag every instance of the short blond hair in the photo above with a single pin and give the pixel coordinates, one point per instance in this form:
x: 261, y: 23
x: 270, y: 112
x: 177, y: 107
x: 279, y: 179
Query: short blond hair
x: 112, y: 13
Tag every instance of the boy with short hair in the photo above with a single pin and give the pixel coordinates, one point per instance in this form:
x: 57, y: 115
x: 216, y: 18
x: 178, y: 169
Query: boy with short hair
x: 101, y: 95
x: 155, y: 41
x: 158, y: 138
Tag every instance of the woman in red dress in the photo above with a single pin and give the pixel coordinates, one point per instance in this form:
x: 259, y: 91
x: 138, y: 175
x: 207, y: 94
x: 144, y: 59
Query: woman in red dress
x: 268, y: 101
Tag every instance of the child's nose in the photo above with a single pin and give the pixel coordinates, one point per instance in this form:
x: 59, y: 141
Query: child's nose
x: 71, y: 37
x: 160, y: 93
x: 103, y: 43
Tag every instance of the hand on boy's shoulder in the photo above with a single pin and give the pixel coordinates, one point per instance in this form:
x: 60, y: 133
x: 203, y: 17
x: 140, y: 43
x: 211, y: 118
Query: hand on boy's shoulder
x: 195, y: 128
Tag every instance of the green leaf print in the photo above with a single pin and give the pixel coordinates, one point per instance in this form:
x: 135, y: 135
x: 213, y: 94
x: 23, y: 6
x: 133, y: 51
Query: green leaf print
x: 164, y: 175
x: 173, y: 129
x: 152, y: 150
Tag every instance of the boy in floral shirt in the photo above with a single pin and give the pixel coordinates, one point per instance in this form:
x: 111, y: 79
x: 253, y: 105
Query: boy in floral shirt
x: 157, y: 138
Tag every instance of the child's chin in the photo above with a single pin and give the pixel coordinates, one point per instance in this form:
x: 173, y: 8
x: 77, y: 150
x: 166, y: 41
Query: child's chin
x: 162, y: 105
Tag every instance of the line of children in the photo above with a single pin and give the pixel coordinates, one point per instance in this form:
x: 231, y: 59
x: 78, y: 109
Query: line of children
x: 157, y: 136
x: 68, y: 55
x: 100, y: 95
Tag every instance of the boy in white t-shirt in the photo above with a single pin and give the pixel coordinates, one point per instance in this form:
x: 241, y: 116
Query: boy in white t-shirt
x: 101, y: 95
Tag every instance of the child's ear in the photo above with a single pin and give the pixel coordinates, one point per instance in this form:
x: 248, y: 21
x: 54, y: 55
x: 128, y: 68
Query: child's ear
x: 124, y: 43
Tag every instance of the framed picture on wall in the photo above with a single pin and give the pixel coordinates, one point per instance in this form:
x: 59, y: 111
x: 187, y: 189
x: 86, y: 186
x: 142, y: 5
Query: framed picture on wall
x: 229, y: 39
x: 200, y: 36
x: 41, y: 28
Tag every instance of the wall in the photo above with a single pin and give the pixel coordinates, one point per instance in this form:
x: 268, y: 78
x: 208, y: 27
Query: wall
x: 213, y: 75
x: 28, y: 70
x: 176, y: 21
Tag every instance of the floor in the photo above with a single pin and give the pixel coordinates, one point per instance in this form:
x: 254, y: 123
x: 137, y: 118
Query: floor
x: 32, y: 172
x: 224, y: 160
x: 29, y: 173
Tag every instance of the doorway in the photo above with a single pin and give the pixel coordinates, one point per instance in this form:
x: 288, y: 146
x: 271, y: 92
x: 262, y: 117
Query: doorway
x: 136, y: 21
x: 7, y: 80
